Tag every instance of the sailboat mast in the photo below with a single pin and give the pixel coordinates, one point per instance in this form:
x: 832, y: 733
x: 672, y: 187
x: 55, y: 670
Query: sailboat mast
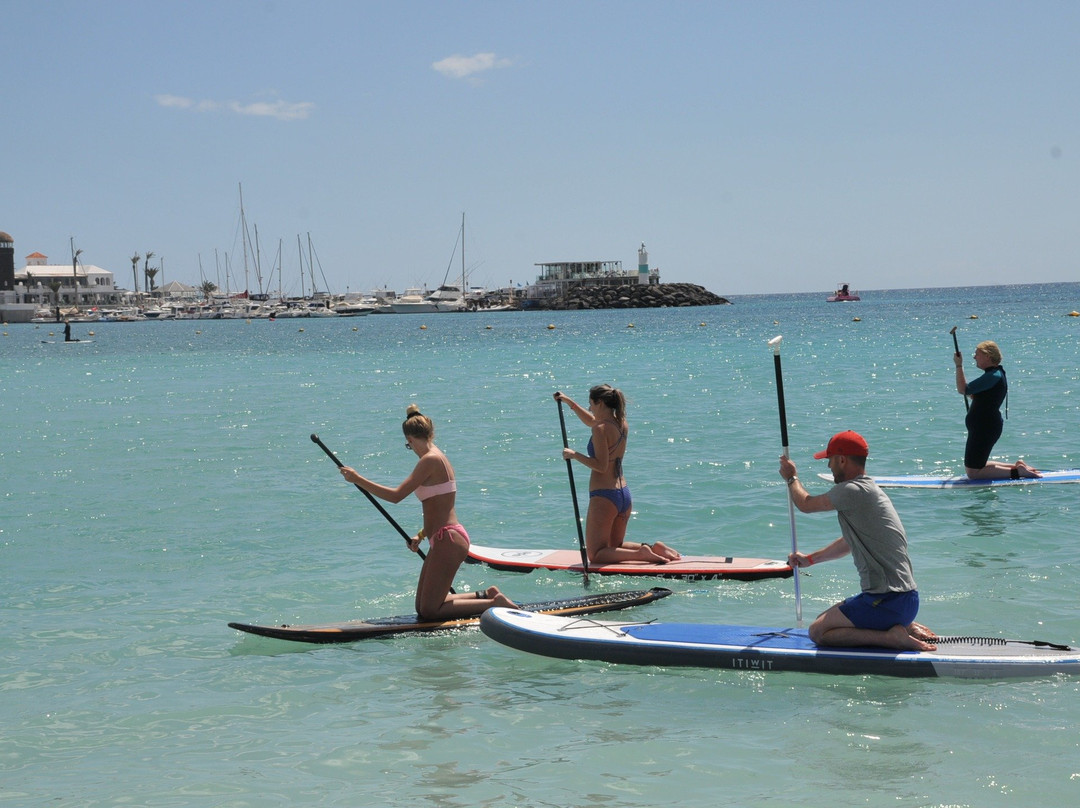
x: 300, y: 249
x: 464, y: 288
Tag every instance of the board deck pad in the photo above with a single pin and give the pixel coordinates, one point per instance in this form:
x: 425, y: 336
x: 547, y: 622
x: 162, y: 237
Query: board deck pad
x: 752, y: 648
x: 963, y: 481
x: 404, y: 624
x: 688, y: 567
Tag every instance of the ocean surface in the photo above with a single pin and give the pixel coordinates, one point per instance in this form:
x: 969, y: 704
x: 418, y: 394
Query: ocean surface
x: 160, y: 481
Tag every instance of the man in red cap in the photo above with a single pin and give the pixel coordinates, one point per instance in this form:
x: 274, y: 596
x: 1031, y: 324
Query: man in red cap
x: 883, y: 614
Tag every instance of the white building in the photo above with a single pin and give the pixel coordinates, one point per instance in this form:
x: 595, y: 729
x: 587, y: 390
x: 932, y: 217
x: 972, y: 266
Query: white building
x: 81, y: 285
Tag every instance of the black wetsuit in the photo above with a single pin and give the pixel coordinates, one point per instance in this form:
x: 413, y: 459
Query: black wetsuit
x: 983, y: 420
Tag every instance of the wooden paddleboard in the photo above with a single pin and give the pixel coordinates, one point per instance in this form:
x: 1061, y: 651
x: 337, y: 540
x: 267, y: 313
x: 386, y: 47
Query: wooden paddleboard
x: 687, y: 567
x: 769, y: 650
x: 353, y: 630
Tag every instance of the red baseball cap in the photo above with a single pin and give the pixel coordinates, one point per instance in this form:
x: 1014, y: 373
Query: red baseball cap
x: 845, y: 443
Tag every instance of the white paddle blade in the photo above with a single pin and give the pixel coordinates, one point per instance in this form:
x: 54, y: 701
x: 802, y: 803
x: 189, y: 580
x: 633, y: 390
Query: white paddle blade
x: 774, y: 343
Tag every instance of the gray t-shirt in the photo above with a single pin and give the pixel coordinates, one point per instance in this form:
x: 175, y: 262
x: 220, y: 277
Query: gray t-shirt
x: 872, y: 528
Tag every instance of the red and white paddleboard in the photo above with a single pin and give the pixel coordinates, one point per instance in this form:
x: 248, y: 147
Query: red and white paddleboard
x: 688, y: 567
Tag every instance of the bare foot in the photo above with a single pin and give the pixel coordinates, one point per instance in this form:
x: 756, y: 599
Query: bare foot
x: 651, y: 555
x: 497, y: 598
x: 898, y: 637
x: 665, y: 552
x: 921, y: 632
x: 1026, y: 471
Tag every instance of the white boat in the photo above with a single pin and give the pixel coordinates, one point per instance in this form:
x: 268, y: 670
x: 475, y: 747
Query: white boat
x: 448, y: 297
x: 319, y: 309
x: 353, y: 308
x: 121, y: 314
x: 412, y: 301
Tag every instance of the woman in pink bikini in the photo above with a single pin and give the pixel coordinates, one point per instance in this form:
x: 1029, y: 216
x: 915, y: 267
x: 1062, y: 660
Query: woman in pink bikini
x: 432, y: 480
x: 609, y: 495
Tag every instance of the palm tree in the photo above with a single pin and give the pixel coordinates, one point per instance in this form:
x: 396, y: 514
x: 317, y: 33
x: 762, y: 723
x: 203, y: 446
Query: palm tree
x: 207, y: 288
x: 146, y: 268
x: 151, y: 273
x: 135, y: 270
x: 75, y: 271
x: 55, y: 286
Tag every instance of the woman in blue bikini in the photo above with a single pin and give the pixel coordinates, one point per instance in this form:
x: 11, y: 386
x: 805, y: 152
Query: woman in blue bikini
x: 432, y: 480
x: 609, y: 495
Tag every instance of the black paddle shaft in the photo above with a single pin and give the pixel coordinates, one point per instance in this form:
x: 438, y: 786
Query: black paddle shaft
x: 371, y: 499
x: 573, y: 496
x: 780, y: 402
x: 956, y: 347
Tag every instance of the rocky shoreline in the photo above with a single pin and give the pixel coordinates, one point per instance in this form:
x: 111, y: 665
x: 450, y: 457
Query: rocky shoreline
x: 652, y: 296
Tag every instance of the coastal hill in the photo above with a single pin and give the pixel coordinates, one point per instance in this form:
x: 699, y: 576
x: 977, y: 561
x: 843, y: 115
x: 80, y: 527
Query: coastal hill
x: 635, y: 296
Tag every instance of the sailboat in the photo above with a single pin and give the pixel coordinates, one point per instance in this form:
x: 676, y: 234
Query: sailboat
x: 448, y: 297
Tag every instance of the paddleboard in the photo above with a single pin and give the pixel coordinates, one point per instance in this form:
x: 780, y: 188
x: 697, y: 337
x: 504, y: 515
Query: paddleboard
x: 963, y: 481
x: 750, y: 648
x: 410, y: 624
x: 687, y: 567
x: 66, y: 341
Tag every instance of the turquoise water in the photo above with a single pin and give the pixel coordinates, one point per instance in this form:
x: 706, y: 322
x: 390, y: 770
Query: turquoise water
x: 160, y: 482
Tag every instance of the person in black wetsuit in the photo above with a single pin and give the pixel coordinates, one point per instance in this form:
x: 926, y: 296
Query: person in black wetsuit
x: 67, y: 331
x: 609, y: 495
x: 984, y: 422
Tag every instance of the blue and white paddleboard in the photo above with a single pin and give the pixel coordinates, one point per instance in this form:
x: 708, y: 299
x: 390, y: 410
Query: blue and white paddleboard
x: 930, y: 481
x: 750, y: 648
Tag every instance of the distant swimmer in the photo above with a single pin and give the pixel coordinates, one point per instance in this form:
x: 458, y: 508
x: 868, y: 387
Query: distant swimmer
x: 984, y: 422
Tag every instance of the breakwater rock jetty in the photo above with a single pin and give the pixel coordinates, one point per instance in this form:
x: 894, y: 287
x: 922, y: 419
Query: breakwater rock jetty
x: 635, y: 296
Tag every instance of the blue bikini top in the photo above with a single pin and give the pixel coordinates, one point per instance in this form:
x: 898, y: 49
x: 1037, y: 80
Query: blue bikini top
x: 618, y: 460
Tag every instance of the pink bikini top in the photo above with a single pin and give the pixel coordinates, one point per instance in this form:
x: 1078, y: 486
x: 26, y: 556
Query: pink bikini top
x: 424, y: 492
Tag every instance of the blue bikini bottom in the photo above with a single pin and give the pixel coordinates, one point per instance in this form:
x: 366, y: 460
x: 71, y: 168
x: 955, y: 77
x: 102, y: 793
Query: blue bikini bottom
x: 619, y: 497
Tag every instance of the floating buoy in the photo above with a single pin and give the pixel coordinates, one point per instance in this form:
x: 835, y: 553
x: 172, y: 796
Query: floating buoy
x: 488, y: 327
x: 1074, y: 313
x: 629, y: 325
x: 301, y: 330
x: 856, y: 319
x: 702, y: 324
x: 198, y: 332
x: 51, y: 334
x: 354, y: 328
x: 776, y: 322
x: 973, y: 317
x: 423, y: 328
x: 91, y: 333
x: 551, y: 326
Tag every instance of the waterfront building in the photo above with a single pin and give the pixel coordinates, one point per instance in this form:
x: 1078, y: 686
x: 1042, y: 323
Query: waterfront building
x: 557, y: 278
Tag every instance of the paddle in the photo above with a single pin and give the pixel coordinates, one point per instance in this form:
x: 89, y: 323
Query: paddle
x: 371, y: 499
x: 956, y: 347
x: 774, y: 343
x: 573, y: 496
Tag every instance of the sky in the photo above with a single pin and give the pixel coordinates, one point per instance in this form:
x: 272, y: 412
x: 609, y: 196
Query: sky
x: 753, y: 147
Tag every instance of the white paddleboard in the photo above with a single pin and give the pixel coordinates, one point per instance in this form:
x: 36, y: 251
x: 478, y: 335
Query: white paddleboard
x: 769, y: 650
x: 963, y: 481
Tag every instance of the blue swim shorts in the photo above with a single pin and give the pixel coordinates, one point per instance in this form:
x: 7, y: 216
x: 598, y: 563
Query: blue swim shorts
x: 881, y: 611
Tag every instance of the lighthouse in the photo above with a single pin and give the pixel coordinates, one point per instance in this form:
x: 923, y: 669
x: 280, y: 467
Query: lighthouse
x: 642, y: 265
